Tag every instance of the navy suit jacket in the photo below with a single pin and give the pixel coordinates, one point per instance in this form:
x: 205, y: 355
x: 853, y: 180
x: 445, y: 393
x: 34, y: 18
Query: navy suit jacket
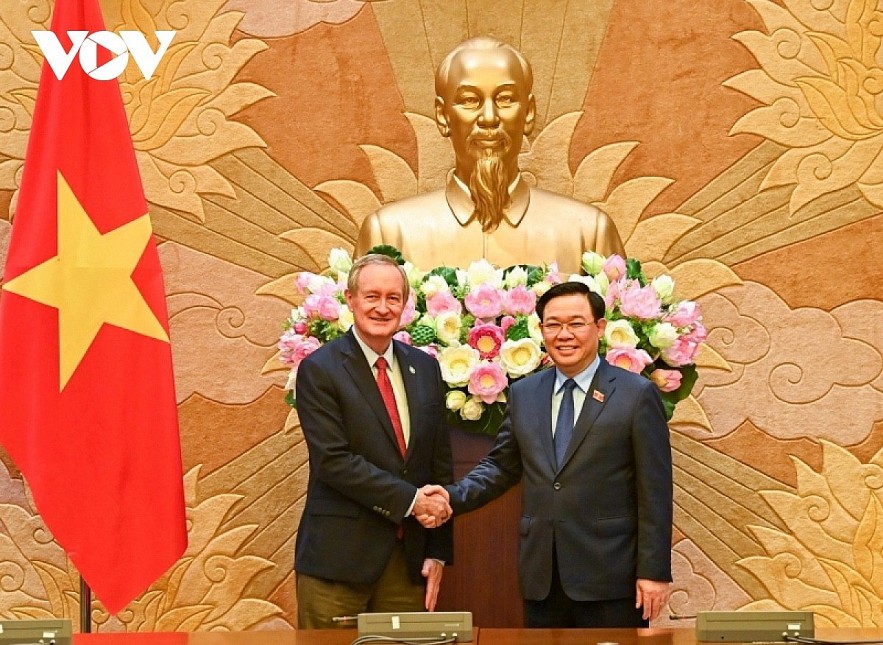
x: 607, y: 510
x: 360, y: 486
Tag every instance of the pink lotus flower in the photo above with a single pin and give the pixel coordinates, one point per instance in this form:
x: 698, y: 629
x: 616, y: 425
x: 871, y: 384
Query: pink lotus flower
x: 640, y: 302
x: 681, y: 353
x: 321, y: 285
x: 698, y: 334
x: 685, y: 315
x: 485, y: 302
x: 431, y: 349
x: 614, y: 268
x: 303, y: 280
x: 294, y: 348
x: 506, y: 322
x: 409, y: 313
x: 520, y: 301
x: 612, y: 295
x: 442, y: 302
x: 324, y: 307
x: 666, y: 380
x: 629, y: 358
x: 487, y: 381
x: 487, y: 339
x: 554, y: 276
x: 403, y: 337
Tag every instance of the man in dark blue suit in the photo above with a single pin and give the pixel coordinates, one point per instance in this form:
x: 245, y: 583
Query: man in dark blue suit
x: 372, y: 413
x: 597, y: 499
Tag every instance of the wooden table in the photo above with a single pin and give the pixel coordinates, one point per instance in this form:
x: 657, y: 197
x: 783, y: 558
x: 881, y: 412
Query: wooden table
x: 484, y: 636
x: 291, y: 637
x: 668, y: 636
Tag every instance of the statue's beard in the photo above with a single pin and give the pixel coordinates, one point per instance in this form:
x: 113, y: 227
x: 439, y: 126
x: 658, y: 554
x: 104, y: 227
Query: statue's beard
x: 489, y: 183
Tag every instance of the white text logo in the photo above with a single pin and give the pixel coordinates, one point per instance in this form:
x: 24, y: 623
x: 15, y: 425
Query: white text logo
x: 86, y: 44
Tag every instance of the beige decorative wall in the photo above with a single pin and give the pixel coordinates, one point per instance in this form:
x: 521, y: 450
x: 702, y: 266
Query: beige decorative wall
x: 737, y: 144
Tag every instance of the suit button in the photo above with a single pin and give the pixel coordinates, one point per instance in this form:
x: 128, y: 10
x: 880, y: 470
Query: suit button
x: 557, y: 486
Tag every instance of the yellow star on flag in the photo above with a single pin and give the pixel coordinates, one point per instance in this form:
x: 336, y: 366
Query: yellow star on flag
x: 90, y: 281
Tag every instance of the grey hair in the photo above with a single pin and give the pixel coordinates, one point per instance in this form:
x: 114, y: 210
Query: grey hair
x: 376, y: 259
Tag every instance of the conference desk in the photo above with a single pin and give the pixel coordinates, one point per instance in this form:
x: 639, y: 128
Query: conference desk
x: 664, y: 636
x: 486, y: 636
x: 293, y: 637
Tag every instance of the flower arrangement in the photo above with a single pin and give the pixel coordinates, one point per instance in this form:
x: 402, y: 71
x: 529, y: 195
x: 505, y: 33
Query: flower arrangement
x: 481, y: 325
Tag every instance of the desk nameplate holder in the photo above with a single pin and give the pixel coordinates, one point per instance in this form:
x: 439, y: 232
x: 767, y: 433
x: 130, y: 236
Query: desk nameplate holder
x: 35, y: 632
x: 753, y: 626
x: 437, y: 624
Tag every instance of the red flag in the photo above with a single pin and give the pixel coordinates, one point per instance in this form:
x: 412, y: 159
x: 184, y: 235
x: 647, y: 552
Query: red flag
x: 87, y: 397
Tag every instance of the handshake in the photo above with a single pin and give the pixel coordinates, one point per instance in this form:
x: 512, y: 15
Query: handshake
x: 432, y: 507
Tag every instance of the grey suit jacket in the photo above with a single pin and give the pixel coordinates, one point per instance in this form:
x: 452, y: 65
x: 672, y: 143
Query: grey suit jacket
x: 359, y: 485
x: 607, y: 510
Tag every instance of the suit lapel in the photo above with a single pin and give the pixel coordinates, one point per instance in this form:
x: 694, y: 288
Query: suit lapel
x: 356, y: 365
x: 542, y: 410
x: 600, y: 391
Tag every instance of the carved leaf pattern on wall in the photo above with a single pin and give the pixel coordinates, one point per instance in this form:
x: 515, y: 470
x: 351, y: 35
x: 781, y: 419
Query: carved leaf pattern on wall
x: 179, y: 118
x: 36, y: 578
x: 269, y: 19
x: 206, y: 589
x: 820, y: 84
x: 830, y: 560
x: 793, y: 384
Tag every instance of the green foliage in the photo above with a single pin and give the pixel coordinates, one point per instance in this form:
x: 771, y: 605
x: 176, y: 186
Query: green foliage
x: 519, y: 330
x: 633, y: 271
x: 449, y: 274
x: 389, y: 251
x: 422, y: 335
x: 489, y: 424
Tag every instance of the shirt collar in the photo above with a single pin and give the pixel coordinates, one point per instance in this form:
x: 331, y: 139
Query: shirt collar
x: 460, y: 200
x: 583, y: 379
x: 371, y: 355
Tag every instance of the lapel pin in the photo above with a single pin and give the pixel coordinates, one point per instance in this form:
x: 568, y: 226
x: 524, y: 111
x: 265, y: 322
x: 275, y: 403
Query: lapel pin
x: 411, y: 369
x: 598, y: 396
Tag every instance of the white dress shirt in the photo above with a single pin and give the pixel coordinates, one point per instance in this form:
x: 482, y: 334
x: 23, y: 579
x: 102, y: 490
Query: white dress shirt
x: 583, y: 382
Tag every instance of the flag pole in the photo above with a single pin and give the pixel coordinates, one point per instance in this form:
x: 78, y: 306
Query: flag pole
x: 85, y: 607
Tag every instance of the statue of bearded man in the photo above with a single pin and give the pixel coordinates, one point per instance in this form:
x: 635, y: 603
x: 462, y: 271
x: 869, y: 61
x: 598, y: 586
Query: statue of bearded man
x: 485, y: 106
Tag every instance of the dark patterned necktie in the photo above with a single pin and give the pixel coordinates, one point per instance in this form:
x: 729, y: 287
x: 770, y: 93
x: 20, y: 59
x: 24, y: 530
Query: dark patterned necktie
x: 564, y: 426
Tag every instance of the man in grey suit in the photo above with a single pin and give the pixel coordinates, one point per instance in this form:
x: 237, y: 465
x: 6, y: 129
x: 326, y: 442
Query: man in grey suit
x: 372, y: 414
x: 597, y: 499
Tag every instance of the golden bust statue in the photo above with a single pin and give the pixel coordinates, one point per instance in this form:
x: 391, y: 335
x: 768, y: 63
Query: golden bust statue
x: 485, y: 106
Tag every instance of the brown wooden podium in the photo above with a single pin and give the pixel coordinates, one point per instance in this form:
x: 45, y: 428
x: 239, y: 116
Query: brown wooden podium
x: 484, y: 577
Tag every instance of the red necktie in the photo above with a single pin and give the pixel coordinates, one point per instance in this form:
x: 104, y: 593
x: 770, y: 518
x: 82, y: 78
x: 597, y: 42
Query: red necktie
x: 389, y: 400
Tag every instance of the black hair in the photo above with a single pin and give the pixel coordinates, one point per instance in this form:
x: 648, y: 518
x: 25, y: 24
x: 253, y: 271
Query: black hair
x: 573, y: 288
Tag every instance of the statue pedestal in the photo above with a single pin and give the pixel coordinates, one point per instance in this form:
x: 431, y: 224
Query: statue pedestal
x: 484, y: 577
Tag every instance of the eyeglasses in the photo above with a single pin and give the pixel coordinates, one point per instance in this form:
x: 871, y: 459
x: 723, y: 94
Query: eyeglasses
x: 576, y: 327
